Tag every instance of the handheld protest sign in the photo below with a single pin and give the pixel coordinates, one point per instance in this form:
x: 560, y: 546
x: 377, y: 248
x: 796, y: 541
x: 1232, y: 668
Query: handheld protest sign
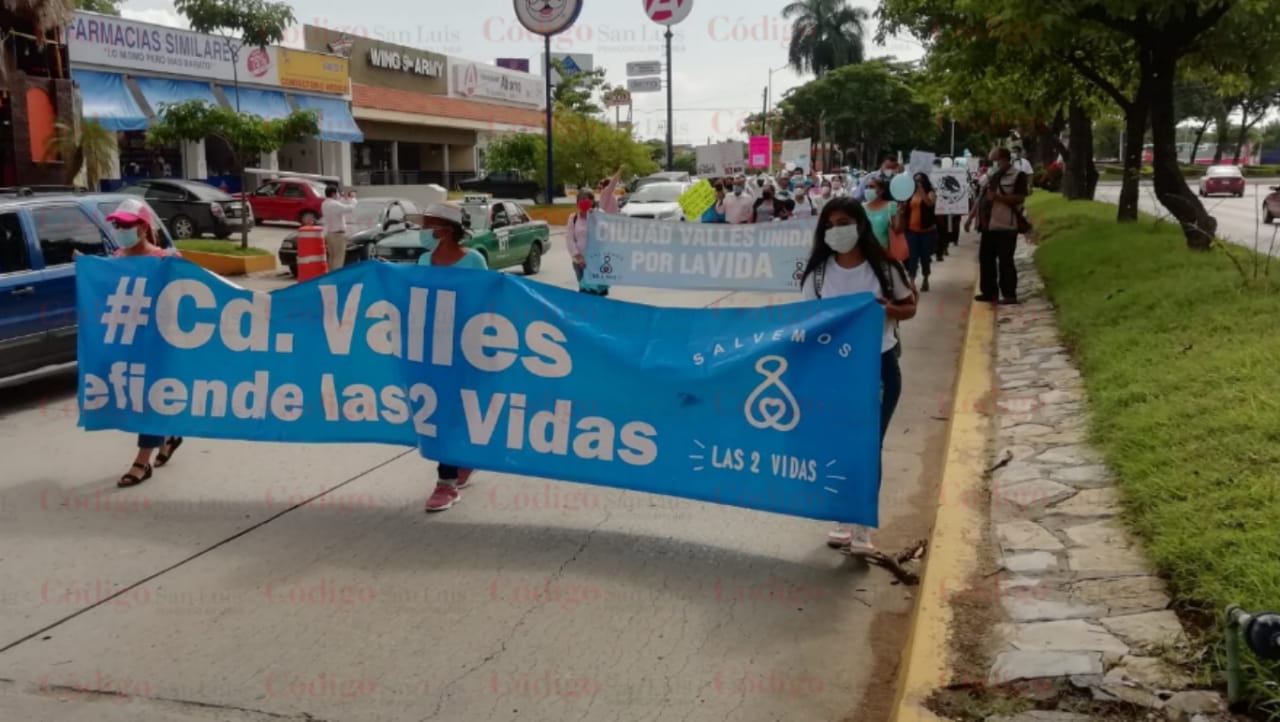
x: 901, y: 187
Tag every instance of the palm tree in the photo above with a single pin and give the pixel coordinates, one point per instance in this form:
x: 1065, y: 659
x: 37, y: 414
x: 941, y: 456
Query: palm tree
x: 825, y: 35
x: 94, y: 150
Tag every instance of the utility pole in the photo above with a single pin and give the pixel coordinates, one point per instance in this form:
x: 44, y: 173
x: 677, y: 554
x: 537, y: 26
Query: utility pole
x: 670, y: 137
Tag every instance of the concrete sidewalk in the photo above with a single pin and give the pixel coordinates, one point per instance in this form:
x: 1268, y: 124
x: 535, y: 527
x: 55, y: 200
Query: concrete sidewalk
x: 257, y: 581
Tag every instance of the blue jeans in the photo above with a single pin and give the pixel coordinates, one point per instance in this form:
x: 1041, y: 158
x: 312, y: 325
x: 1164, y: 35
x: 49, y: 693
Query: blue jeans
x: 890, y: 389
x: 921, y: 245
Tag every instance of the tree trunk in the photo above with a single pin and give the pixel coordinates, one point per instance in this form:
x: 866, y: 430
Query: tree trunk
x: 1079, y: 155
x: 1158, y: 66
x: 1195, y: 145
x: 1221, y: 127
x: 1134, y: 134
x: 1243, y: 135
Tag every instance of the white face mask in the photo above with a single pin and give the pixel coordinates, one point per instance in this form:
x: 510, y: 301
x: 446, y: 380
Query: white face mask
x: 127, y: 237
x: 842, y: 239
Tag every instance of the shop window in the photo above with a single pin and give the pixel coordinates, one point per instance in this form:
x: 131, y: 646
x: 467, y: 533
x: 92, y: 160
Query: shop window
x: 62, y: 230
x: 13, y: 245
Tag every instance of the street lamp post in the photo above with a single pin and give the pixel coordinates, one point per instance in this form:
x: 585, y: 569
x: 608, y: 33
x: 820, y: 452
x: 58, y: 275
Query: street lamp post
x: 768, y: 103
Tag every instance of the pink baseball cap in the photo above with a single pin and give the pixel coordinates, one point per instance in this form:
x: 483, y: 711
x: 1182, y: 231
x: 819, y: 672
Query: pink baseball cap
x: 132, y: 211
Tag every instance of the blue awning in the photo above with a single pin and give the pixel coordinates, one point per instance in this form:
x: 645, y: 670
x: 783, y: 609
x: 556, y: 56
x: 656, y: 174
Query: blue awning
x: 336, y: 122
x: 267, y: 104
x: 160, y: 92
x: 105, y: 98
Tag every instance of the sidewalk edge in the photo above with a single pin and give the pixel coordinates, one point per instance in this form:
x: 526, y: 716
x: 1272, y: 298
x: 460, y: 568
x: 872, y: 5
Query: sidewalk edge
x: 952, y: 555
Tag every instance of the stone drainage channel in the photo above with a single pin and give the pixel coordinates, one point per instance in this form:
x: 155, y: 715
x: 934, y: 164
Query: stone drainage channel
x: 1082, y: 605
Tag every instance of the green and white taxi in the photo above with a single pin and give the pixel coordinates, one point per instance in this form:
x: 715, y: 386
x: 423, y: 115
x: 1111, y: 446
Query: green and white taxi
x: 496, y: 227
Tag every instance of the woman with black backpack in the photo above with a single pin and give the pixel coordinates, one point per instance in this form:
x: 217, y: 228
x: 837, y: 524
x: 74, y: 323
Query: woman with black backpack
x: 847, y: 259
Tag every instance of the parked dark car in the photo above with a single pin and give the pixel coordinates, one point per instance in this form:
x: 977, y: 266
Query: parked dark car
x: 191, y: 209
x: 372, y: 220
x: 504, y: 184
x: 39, y: 235
x: 1271, y: 205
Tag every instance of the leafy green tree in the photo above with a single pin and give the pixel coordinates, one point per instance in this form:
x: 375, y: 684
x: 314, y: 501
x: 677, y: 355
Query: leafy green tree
x: 869, y: 106
x: 105, y: 7
x: 825, y: 35
x: 578, y: 92
x: 518, y: 151
x: 240, y: 23
x: 247, y: 136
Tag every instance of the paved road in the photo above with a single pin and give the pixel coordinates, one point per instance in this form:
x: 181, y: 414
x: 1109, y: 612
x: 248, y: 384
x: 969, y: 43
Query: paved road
x: 1239, y: 219
x: 260, y: 581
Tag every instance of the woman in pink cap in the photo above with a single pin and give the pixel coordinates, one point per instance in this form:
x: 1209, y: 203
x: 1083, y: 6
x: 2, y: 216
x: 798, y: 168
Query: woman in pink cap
x: 136, y: 235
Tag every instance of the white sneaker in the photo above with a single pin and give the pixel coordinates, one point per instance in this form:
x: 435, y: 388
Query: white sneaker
x: 860, y: 539
x: 839, y: 537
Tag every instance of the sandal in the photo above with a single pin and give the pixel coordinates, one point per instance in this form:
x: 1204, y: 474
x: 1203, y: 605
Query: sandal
x: 173, y: 442
x: 132, y: 479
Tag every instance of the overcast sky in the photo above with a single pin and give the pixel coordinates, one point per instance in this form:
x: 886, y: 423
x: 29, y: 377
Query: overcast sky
x: 722, y: 53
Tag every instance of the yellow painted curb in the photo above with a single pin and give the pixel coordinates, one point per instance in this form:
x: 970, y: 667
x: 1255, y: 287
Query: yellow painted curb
x: 227, y: 265
x: 958, y: 528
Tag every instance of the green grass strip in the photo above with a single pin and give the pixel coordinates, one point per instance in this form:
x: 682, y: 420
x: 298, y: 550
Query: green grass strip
x: 1180, y: 354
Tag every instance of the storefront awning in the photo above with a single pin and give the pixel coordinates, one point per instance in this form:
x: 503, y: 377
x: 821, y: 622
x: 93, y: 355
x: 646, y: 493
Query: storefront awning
x: 106, y: 99
x: 160, y: 92
x: 336, y: 122
x: 268, y: 104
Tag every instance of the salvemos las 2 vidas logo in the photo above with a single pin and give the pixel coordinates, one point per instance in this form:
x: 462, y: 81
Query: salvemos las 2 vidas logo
x: 767, y: 408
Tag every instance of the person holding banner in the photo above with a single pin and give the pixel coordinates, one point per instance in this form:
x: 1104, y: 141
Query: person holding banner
x: 136, y: 235
x: 847, y: 259
x: 441, y: 235
x: 576, y: 238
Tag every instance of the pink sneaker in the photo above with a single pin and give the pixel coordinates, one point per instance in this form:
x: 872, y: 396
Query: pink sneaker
x: 442, y: 498
x: 464, y: 477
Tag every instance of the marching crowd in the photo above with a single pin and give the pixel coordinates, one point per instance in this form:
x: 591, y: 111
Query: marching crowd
x: 871, y: 235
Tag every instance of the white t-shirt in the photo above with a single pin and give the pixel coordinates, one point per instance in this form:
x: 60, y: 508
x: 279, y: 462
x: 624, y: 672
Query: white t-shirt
x: 841, y: 281
x: 333, y: 215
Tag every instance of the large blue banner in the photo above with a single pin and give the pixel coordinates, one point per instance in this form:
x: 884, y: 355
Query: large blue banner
x: 771, y: 408
x: 770, y: 257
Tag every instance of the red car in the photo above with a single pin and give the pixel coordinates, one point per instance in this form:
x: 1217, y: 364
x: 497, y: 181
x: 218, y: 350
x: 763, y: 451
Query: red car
x: 1228, y: 179
x: 296, y: 200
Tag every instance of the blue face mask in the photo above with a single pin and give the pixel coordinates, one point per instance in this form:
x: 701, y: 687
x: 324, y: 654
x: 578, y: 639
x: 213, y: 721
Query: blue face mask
x: 428, y: 238
x: 127, y: 237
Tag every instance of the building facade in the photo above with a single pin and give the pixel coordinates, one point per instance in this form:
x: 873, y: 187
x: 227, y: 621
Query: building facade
x: 426, y: 117
x: 36, y: 95
x: 127, y: 72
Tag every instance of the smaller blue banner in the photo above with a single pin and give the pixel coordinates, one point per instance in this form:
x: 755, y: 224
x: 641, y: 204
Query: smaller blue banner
x: 768, y: 257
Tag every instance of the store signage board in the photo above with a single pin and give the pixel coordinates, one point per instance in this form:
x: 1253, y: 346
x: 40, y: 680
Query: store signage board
x: 574, y: 63
x: 113, y: 42
x: 406, y: 62
x: 547, y: 17
x: 474, y: 80
x: 644, y: 67
x: 644, y: 85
